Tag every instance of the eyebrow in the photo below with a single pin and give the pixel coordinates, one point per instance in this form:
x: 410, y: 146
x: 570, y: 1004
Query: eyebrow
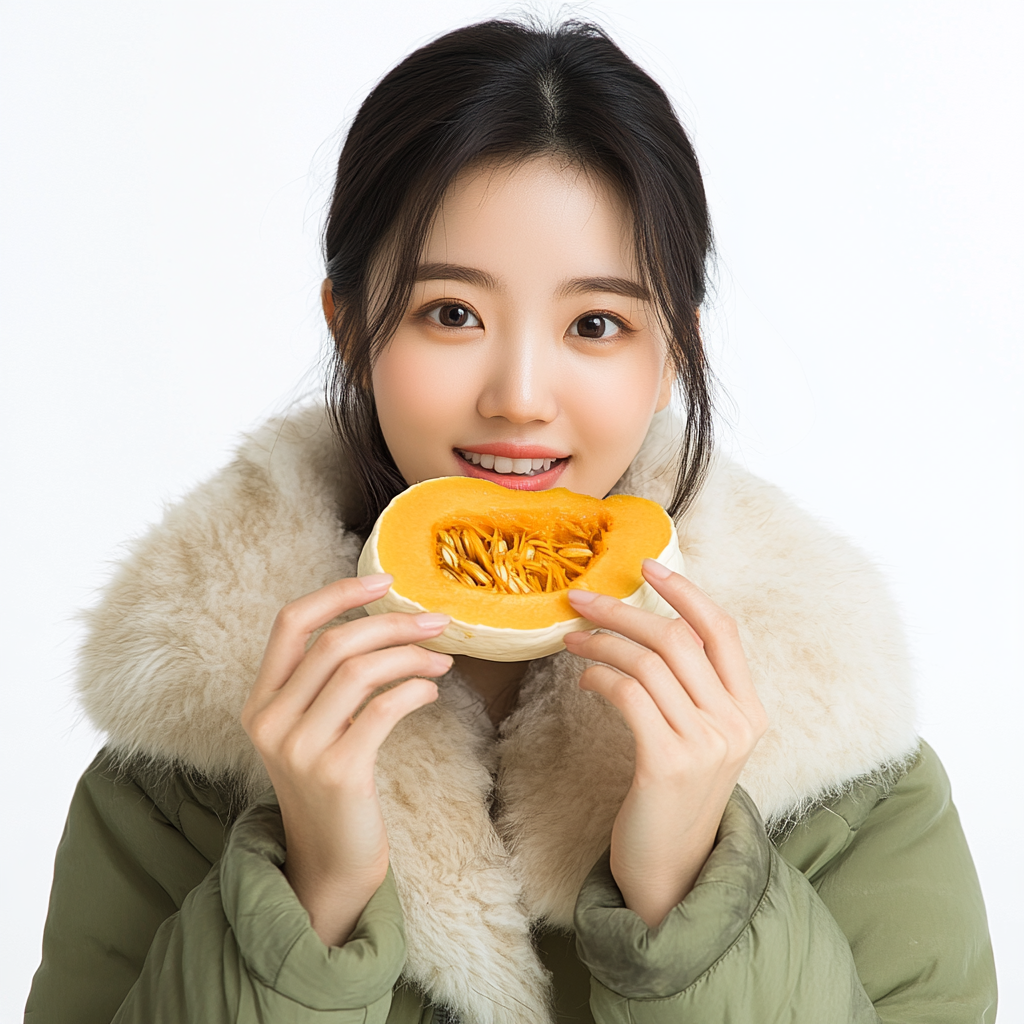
x: 456, y: 272
x: 576, y: 286
x: 615, y: 285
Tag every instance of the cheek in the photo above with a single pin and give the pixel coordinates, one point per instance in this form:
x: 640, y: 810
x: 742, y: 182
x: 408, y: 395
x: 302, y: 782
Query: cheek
x: 612, y: 402
x: 620, y: 392
x: 418, y: 402
x: 404, y: 383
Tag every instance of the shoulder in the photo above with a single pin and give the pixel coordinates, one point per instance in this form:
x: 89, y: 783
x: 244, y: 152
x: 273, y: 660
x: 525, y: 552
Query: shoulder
x: 135, y: 795
x: 900, y: 811
x: 890, y: 862
x: 175, y: 640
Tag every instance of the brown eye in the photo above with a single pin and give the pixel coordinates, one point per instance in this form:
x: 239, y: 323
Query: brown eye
x: 594, y: 326
x: 454, y: 314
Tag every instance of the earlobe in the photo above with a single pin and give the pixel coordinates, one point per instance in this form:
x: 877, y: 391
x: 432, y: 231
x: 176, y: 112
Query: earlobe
x: 327, y: 301
x: 668, y: 379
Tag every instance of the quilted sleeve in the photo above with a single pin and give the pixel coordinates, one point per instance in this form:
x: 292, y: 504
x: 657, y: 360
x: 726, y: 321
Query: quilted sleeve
x: 142, y: 927
x: 891, y: 928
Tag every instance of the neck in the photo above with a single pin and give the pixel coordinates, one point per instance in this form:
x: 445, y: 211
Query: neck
x: 496, y: 681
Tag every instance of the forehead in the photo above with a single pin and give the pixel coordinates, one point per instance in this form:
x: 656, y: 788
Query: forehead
x: 530, y: 209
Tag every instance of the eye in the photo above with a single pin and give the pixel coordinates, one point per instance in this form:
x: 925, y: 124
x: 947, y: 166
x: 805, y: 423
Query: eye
x: 454, y: 314
x: 596, y: 325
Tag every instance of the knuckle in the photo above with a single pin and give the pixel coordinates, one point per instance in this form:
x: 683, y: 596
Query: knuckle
x: 686, y: 634
x: 332, y: 641
x: 293, y: 752
x: 628, y: 691
x: 739, y: 731
x: 260, y: 729
x: 355, y: 668
x: 739, y: 727
x: 758, y: 720
x: 386, y: 704
x: 716, y: 746
x: 648, y: 662
x: 380, y: 710
x: 288, y: 618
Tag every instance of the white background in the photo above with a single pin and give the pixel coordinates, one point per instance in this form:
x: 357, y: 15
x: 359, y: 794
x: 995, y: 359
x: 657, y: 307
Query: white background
x: 164, y: 171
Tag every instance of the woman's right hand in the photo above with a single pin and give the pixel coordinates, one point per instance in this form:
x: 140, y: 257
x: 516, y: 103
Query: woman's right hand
x: 320, y: 758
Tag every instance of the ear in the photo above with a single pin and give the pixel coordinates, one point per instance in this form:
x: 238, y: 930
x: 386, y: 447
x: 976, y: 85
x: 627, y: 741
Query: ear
x: 327, y: 301
x: 668, y: 379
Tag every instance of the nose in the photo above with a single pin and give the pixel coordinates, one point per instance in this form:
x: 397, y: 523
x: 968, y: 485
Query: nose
x: 521, y: 381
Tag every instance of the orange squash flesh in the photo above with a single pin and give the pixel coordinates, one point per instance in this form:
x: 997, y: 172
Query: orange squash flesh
x: 620, y: 530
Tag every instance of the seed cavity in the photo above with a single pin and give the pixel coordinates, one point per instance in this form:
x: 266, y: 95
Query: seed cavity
x: 513, y: 558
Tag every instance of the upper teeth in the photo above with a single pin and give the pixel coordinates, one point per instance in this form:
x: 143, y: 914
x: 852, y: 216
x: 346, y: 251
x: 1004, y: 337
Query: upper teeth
x: 502, y: 465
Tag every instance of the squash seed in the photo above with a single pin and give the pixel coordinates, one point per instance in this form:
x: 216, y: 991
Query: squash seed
x: 514, y: 560
x: 474, y: 570
x: 577, y: 553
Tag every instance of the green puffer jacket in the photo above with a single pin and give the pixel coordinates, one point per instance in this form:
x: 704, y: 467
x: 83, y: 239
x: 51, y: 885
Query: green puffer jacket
x: 840, y: 887
x: 867, y: 910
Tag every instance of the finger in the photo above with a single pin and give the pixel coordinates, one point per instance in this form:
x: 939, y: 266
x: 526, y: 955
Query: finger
x: 330, y: 713
x: 339, y: 643
x: 633, y: 702
x: 374, y: 723
x: 298, y: 620
x: 648, y: 668
x: 672, y: 639
x: 684, y: 647
x: 715, y: 627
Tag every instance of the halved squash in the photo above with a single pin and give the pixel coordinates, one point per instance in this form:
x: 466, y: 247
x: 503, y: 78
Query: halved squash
x: 500, y: 561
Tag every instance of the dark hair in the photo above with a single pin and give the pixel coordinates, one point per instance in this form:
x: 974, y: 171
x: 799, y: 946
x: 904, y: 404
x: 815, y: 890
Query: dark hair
x: 504, y: 90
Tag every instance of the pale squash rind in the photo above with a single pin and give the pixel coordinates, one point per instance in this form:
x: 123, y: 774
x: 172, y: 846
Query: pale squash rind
x: 506, y: 643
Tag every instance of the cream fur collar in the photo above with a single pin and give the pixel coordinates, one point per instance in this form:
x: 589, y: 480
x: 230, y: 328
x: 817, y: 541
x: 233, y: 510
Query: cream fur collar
x: 175, y: 642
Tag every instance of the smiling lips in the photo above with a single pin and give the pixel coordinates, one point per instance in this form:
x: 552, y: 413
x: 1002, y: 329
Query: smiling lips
x: 501, y: 464
x: 520, y: 467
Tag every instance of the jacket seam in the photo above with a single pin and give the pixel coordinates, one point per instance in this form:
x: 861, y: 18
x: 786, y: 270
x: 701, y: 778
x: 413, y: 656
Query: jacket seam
x: 277, y: 975
x: 743, y: 931
x: 711, y: 967
x: 284, y: 960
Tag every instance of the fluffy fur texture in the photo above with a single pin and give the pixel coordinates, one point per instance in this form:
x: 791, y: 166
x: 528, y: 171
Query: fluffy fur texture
x: 175, y: 643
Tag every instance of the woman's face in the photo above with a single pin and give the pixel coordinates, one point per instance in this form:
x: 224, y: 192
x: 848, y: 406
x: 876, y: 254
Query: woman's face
x: 530, y: 354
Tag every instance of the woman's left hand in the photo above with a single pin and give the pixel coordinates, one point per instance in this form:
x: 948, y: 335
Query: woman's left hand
x: 684, y: 689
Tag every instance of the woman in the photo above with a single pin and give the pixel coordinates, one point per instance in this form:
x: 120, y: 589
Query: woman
x: 515, y: 256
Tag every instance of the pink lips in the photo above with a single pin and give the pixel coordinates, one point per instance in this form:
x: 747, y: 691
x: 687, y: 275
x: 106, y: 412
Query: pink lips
x: 515, y: 451
x: 514, y: 481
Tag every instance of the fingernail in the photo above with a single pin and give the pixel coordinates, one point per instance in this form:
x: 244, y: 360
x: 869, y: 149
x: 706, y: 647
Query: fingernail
x: 431, y: 620
x: 377, y: 582
x: 582, y: 596
x: 656, y: 569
